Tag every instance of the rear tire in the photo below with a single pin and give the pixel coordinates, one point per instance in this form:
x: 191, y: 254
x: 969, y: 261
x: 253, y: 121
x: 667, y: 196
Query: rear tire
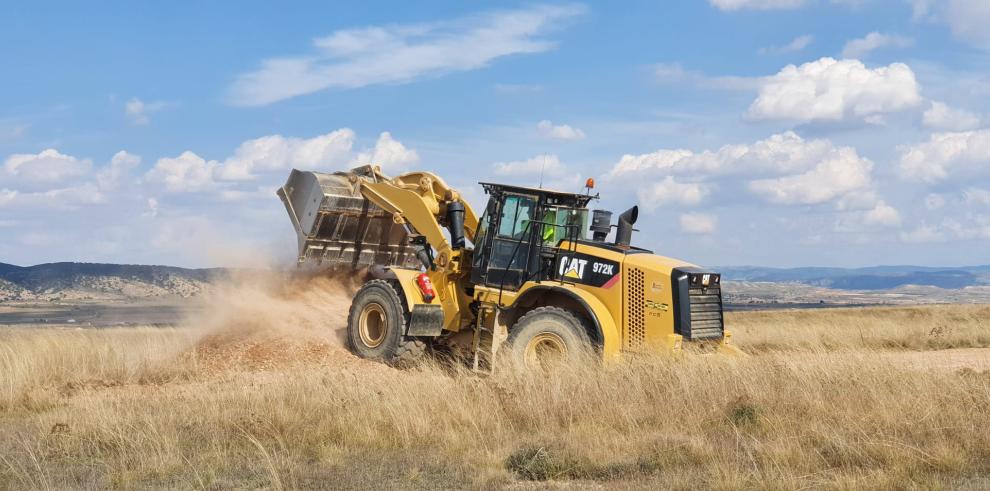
x: 376, y: 326
x: 549, y: 336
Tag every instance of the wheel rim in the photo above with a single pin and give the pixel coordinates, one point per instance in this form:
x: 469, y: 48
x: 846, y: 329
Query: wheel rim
x: 372, y: 326
x: 545, y: 350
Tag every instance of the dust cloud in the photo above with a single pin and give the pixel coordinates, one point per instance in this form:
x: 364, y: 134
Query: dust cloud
x: 269, y: 318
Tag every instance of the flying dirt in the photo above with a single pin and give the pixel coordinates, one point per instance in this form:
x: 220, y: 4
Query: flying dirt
x: 264, y: 319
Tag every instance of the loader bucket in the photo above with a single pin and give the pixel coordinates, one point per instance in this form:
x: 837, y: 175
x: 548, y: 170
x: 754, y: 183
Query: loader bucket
x: 338, y: 228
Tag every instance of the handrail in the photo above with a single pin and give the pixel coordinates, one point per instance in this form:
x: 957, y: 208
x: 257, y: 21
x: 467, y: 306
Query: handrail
x: 571, y: 238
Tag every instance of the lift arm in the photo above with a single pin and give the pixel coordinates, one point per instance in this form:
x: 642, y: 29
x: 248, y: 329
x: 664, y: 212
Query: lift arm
x: 419, y: 199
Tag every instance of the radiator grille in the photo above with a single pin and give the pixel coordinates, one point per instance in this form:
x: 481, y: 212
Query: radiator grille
x: 636, y: 335
x: 706, y: 312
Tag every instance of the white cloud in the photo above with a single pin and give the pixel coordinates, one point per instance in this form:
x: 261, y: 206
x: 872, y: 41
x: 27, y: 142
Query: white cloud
x: 390, y: 154
x: 780, y: 153
x: 884, y: 215
x: 391, y: 54
x: 139, y: 112
x: 842, y: 172
x: 7, y: 197
x: 941, y: 116
x: 54, y: 180
x: 977, y: 196
x: 798, y: 44
x: 978, y: 229
x: 947, y: 230
x: 120, y: 167
x: 670, y: 160
x: 547, y: 129
x: 549, y: 165
x: 58, y: 198
x: 923, y: 234
x: 858, y: 48
x: 961, y: 153
x: 266, y: 159
x: 730, y: 5
x: 278, y: 153
x: 41, y: 170
x: 674, y: 73
x: 260, y: 192
x: 152, y: 208
x: 858, y: 200
x: 670, y: 191
x: 921, y: 8
x: 186, y: 173
x: 698, y: 223
x: 800, y: 171
x: 967, y: 19
x: 835, y: 90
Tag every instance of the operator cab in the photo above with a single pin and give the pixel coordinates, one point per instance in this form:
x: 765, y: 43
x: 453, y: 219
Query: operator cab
x: 520, y: 231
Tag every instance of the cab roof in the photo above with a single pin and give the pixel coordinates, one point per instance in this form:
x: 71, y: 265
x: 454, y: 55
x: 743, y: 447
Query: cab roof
x: 548, y: 196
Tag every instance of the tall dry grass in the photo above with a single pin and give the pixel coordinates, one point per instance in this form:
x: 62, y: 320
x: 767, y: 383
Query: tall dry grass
x: 786, y: 418
x: 37, y: 364
x: 914, y: 328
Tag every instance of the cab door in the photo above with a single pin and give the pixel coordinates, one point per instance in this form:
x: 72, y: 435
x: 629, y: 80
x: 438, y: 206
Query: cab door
x: 507, y: 243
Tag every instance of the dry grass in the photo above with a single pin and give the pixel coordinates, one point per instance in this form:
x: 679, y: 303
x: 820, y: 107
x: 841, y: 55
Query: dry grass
x: 36, y: 364
x: 149, y: 408
x: 912, y: 328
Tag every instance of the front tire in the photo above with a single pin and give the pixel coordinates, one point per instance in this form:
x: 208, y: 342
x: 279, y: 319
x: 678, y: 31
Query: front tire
x: 376, y: 326
x: 547, y: 337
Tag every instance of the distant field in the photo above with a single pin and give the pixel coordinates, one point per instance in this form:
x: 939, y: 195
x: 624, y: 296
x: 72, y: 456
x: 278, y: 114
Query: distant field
x: 99, y: 314
x: 264, y: 397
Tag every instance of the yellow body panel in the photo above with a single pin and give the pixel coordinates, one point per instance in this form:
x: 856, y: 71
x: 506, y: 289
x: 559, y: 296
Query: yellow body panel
x: 447, y: 296
x: 634, y: 313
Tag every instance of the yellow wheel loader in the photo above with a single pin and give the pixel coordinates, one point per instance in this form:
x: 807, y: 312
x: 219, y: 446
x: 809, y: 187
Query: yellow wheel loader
x: 523, y: 281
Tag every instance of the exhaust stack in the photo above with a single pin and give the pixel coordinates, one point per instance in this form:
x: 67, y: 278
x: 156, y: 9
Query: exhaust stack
x: 455, y: 223
x: 624, y: 230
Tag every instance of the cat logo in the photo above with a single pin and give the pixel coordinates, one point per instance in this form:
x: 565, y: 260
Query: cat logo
x: 588, y: 270
x: 572, y: 267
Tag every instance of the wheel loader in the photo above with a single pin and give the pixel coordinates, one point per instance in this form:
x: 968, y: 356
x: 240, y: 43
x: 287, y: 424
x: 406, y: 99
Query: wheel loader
x: 524, y: 281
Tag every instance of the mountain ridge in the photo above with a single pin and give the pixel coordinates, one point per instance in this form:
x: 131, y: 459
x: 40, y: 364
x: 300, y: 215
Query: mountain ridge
x: 865, y: 278
x: 102, y: 281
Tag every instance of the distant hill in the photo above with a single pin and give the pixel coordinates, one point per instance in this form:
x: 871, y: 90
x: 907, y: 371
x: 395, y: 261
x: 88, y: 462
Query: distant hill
x: 871, y: 278
x: 81, y: 281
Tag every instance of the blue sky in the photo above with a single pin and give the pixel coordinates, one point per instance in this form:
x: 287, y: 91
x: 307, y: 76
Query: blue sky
x: 768, y: 132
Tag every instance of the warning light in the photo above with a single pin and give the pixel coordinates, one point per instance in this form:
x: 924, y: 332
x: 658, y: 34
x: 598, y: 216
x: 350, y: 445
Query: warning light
x: 590, y: 183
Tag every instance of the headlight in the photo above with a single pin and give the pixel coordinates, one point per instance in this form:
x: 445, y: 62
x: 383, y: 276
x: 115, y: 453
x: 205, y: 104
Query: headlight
x: 704, y: 279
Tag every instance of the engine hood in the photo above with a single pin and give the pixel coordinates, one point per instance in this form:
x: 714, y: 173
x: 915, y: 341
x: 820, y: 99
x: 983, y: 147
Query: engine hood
x: 653, y: 262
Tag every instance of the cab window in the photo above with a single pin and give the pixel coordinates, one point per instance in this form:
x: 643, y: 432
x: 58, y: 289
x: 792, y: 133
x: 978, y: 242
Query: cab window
x: 517, y: 211
x: 561, y: 223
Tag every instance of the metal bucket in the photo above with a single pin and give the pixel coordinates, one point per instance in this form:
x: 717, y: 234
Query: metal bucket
x: 338, y: 228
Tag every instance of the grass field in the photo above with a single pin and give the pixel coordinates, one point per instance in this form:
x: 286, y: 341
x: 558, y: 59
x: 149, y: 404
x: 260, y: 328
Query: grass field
x: 266, y: 398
